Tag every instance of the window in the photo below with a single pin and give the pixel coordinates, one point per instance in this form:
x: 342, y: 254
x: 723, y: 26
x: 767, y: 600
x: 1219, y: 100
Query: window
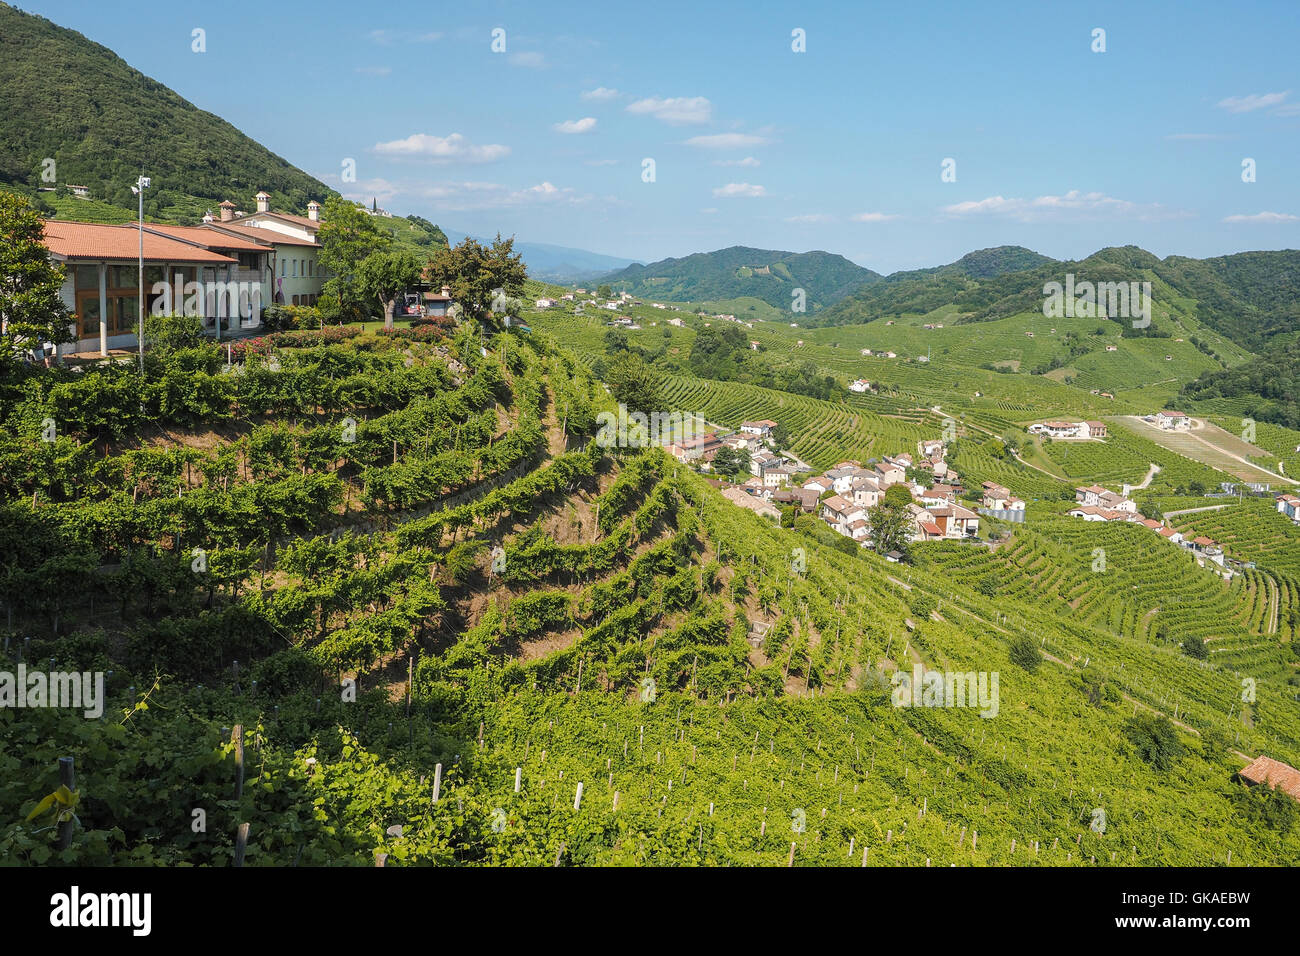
x: 284, y: 264
x: 87, y: 278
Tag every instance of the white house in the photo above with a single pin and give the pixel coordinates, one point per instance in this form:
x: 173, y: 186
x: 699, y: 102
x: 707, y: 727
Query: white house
x: 860, y: 385
x: 1172, y: 421
x: 762, y: 428
x: 1289, y: 505
x: 546, y: 303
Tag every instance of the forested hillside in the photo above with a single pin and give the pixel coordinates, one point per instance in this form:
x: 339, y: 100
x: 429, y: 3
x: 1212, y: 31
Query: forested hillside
x: 103, y: 123
x: 741, y: 271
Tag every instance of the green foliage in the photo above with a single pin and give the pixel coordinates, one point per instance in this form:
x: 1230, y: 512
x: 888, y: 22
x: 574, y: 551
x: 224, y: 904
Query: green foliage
x: 31, y: 308
x: 1155, y: 740
x: 1025, y: 653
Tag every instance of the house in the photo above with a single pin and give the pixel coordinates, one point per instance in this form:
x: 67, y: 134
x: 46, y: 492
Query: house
x: 932, y: 449
x: 1093, y: 513
x: 1112, y: 348
x: 805, y: 498
x: 820, y: 484
x: 546, y: 303
x: 866, y: 351
x: 838, y: 512
x: 865, y: 492
x: 1172, y: 421
x: 1275, y: 773
x: 893, y: 557
x: 1289, y: 505
x: 79, y: 192
x: 676, y: 323
x: 760, y: 506
x: 1169, y: 534
x: 955, y: 521
x: 695, y: 449
x: 775, y: 477
x: 889, y: 474
x: 1116, y: 502
x: 999, y: 498
x: 937, y: 496
x: 1090, y: 495
x: 891, y: 355
x: 763, y: 429
x: 860, y: 385
x: 296, y: 277
x: 763, y: 461
x: 438, y: 304
x: 1057, y: 429
x: 102, y: 273
x: 1092, y: 430
x: 567, y: 297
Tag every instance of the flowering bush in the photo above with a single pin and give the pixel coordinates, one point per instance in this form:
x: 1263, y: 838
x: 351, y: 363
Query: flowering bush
x: 264, y: 344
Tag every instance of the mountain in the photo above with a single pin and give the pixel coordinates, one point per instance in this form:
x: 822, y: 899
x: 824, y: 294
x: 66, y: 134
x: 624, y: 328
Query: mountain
x: 560, y: 264
x: 69, y: 99
x: 1251, y: 298
x: 739, y: 271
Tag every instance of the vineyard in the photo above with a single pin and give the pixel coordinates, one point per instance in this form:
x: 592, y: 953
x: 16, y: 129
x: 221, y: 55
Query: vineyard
x: 383, y: 598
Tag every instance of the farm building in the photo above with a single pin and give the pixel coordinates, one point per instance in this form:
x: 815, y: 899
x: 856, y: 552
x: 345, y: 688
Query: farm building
x: 1275, y: 773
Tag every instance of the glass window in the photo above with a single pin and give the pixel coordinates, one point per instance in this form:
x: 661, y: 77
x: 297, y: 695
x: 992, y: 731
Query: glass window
x: 87, y: 278
x: 123, y: 277
x: 152, y: 274
x: 284, y: 264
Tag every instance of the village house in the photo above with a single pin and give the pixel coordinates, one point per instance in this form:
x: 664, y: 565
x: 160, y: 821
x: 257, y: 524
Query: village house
x: 763, y: 429
x: 821, y: 484
x: 1092, y: 430
x: 1172, y: 421
x: 889, y: 474
x: 1056, y: 429
x: 1289, y: 505
x: 546, y: 303
x: 860, y: 385
x: 838, y: 512
x: 955, y: 521
x: 999, y: 498
x: 758, y: 505
x: 932, y: 448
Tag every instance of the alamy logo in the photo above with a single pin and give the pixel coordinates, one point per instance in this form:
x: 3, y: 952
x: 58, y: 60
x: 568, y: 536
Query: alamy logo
x: 132, y: 910
x: 947, y: 689
x: 639, y: 430
x: 1095, y: 300
x: 222, y: 300
x: 78, y: 691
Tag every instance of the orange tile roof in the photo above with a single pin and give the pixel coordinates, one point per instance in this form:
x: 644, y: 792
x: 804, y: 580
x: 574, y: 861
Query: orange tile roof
x: 89, y: 240
x: 208, y: 238
x: 1275, y: 773
x: 260, y: 234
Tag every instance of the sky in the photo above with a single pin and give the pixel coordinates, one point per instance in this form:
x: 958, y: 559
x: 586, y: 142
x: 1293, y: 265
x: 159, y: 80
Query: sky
x: 900, y: 135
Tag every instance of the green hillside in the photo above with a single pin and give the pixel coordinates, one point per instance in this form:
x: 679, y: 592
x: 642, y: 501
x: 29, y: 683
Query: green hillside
x: 740, y: 271
x: 112, y: 122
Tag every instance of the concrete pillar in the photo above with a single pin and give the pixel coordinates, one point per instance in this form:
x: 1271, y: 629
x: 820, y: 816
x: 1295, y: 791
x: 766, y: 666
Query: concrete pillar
x: 103, y: 310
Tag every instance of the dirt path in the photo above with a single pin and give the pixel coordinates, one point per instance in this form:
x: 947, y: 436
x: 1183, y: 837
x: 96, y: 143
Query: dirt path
x: 1151, y: 473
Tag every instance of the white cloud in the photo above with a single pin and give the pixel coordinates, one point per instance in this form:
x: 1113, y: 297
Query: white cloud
x: 442, y: 149
x: 470, y: 195
x: 726, y: 141
x: 584, y: 125
x: 375, y: 70
x: 733, y: 190
x: 365, y: 190
x: 675, y: 110
x: 1073, y: 206
x: 1255, y: 101
x: 748, y: 161
x: 600, y: 94
x: 811, y: 218
x: 529, y: 58
x: 1264, y: 217
x: 873, y: 217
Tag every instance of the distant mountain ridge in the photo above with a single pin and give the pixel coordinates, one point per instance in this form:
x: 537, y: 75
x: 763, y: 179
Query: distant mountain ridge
x: 559, y: 264
x: 767, y: 274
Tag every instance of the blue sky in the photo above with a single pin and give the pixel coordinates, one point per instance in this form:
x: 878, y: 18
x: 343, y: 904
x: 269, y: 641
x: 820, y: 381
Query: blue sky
x: 840, y: 147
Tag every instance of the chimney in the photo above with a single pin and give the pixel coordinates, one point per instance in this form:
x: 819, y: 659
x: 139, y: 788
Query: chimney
x: 263, y: 201
x: 227, y: 211
x: 313, y: 211
x: 446, y: 291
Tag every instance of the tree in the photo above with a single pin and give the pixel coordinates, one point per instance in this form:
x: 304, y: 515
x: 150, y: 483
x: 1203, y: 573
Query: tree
x: 1024, y: 653
x: 479, y: 274
x: 1196, y: 649
x: 1156, y: 740
x: 384, y: 275
x: 731, y: 461
x: 891, y: 523
x: 31, y: 306
x: 604, y: 292
x: 166, y: 333
x: 348, y: 234
x: 633, y: 383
